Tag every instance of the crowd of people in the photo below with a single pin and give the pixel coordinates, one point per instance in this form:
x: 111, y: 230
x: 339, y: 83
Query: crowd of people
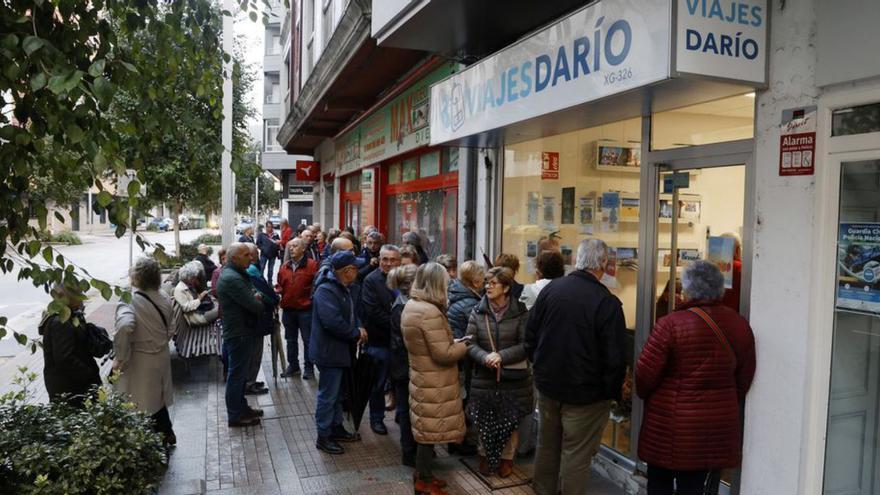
x: 454, y: 348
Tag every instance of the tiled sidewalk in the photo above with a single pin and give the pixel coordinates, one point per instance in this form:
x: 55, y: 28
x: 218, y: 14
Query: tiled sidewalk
x: 279, y: 456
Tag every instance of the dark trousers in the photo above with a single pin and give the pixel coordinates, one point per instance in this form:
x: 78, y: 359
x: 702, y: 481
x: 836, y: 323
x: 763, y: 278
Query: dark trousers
x: 424, y: 459
x: 663, y: 481
x: 328, y: 406
x: 256, y: 360
x: 377, y: 397
x: 239, y: 358
x: 297, y: 322
x: 271, y: 263
x: 162, y: 422
x: 407, y: 442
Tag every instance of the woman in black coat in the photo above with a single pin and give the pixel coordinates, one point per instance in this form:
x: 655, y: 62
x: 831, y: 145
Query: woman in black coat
x: 399, y: 280
x: 464, y: 295
x: 69, y: 369
x: 497, y: 329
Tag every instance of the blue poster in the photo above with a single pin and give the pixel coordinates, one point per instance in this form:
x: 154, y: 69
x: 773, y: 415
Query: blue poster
x: 858, y: 267
x: 721, y: 253
x: 610, y: 211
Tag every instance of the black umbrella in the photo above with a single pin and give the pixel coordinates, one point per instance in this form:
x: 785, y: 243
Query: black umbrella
x: 359, y: 385
x: 496, y: 416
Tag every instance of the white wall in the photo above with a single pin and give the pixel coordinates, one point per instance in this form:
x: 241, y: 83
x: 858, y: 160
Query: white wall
x: 781, y: 274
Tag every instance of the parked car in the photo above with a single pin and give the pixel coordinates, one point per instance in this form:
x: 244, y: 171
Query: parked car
x: 245, y: 223
x: 162, y: 224
x: 184, y: 222
x: 276, y: 220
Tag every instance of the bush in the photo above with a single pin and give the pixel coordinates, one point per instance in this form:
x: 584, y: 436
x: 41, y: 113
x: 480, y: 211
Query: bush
x: 208, y: 239
x: 152, y: 227
x: 107, y: 448
x: 67, y: 237
x: 188, y: 252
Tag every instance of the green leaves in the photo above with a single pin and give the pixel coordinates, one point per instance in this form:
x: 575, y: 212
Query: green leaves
x: 38, y: 82
x: 97, y: 67
x: 32, y: 44
x: 75, y: 133
x: 104, y: 198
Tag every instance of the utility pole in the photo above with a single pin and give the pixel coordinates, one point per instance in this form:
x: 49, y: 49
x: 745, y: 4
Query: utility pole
x: 257, y: 200
x: 227, y: 197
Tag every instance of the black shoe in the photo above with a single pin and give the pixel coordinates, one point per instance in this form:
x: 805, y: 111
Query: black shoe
x: 289, y: 372
x: 466, y: 449
x: 245, y: 421
x: 328, y: 445
x: 379, y: 428
x: 254, y: 412
x: 255, y: 390
x: 260, y: 384
x: 340, y: 434
x: 308, y: 374
x: 409, y: 460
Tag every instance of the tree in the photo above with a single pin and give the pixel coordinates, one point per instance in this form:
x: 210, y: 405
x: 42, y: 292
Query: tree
x: 245, y: 180
x: 62, y: 64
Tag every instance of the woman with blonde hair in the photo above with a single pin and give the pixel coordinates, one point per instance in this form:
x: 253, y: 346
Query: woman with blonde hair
x: 435, y: 398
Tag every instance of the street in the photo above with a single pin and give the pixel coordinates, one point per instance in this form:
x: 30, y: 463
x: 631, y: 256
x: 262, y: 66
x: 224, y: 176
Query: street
x: 103, y: 255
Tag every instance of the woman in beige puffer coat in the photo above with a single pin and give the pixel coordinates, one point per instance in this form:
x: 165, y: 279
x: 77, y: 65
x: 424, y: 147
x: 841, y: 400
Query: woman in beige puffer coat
x: 434, y: 391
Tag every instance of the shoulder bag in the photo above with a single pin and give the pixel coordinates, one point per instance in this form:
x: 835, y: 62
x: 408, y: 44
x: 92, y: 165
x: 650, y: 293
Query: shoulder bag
x: 98, y: 340
x: 511, y: 373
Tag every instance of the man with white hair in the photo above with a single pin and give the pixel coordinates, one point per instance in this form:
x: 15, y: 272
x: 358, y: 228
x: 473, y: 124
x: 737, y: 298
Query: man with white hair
x: 575, y: 340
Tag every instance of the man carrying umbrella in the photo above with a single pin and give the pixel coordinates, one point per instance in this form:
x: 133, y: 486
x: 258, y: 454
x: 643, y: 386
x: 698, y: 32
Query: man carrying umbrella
x: 334, y: 328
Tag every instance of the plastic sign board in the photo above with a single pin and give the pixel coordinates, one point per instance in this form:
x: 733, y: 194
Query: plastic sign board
x: 858, y: 267
x: 604, y: 49
x: 308, y: 171
x: 550, y: 165
x: 724, y: 39
x: 797, y: 142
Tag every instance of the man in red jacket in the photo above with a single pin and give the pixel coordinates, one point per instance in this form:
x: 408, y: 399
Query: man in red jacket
x: 295, y: 286
x: 286, y: 236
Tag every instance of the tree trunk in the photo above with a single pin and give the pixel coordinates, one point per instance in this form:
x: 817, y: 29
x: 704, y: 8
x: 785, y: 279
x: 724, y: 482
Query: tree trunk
x: 175, y: 217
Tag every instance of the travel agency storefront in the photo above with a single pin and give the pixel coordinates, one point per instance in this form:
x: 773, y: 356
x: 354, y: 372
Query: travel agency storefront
x: 631, y: 121
x: 390, y: 177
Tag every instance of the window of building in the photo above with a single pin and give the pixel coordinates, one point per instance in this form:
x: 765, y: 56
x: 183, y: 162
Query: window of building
x: 273, y: 43
x: 270, y: 135
x: 410, y: 169
x: 727, y: 119
x: 429, y: 164
x: 272, y: 88
x: 394, y: 173
x: 309, y: 37
x: 450, y: 160
x: 327, y: 21
x: 856, y: 120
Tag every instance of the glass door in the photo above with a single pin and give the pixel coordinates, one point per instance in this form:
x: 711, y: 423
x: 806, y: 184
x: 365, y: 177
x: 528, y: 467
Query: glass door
x: 852, y: 463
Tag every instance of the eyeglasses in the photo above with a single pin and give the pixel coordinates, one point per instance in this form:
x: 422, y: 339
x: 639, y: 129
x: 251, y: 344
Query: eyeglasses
x: 492, y: 283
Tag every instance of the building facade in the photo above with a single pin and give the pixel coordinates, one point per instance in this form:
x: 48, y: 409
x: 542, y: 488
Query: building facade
x: 667, y: 128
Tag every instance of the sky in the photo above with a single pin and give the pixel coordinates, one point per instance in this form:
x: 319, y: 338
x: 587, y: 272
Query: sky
x: 253, y: 38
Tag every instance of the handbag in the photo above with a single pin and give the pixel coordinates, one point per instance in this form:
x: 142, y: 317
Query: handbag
x: 514, y: 372
x: 98, y: 340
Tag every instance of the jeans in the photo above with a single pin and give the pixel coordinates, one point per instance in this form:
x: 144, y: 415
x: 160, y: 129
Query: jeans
x: 298, y: 322
x: 660, y: 481
x: 328, y: 406
x: 267, y: 261
x: 239, y: 355
x: 569, y: 437
x: 377, y: 397
x: 407, y: 442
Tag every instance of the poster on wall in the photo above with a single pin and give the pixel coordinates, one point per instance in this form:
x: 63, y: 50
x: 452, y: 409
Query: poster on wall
x: 566, y: 255
x: 720, y: 252
x: 797, y: 141
x: 610, y: 211
x: 567, y: 206
x: 531, y: 249
x: 587, y: 205
x: 629, y: 209
x: 858, y: 263
x: 689, y: 209
x: 549, y: 213
x: 409, y: 215
x: 532, y: 208
x: 549, y: 165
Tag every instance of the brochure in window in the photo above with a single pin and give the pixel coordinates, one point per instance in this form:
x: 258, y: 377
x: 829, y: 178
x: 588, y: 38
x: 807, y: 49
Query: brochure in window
x: 629, y: 209
x: 587, y: 205
x: 549, y: 213
x: 567, y: 206
x: 532, y: 207
x: 610, y: 211
x: 858, y: 262
x: 721, y: 253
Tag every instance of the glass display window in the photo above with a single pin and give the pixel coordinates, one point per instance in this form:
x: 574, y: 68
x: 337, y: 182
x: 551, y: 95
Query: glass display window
x: 410, y: 169
x: 429, y: 164
x: 394, y: 173
x: 433, y: 214
x: 562, y: 189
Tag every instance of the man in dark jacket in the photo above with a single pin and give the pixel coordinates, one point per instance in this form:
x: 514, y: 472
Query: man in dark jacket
x: 241, y: 305
x: 334, y: 329
x: 376, y: 301
x: 265, y: 324
x: 267, y: 241
x: 370, y: 254
x: 311, y: 246
x: 69, y: 369
x: 575, y: 340
x: 295, y: 281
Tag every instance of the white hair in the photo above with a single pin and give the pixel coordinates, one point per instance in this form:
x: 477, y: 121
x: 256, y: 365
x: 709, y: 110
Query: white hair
x: 592, y: 254
x: 145, y: 273
x: 701, y: 280
x: 193, y: 269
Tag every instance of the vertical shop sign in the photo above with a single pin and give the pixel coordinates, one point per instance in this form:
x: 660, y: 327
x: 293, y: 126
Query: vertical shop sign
x: 797, y: 143
x: 720, y: 252
x: 308, y: 171
x: 549, y: 165
x: 368, y: 194
x: 858, y: 273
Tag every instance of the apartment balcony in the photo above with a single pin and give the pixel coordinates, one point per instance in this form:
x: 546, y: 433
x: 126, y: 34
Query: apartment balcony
x: 346, y: 80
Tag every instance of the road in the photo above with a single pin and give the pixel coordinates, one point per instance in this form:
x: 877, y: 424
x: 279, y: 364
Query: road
x: 103, y: 255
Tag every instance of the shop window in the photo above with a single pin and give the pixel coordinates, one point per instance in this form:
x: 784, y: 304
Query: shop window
x: 353, y: 183
x: 429, y: 164
x: 431, y: 213
x: 856, y: 120
x: 853, y: 443
x: 450, y: 160
x: 410, y: 169
x: 727, y: 119
x: 572, y: 187
x: 394, y: 173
